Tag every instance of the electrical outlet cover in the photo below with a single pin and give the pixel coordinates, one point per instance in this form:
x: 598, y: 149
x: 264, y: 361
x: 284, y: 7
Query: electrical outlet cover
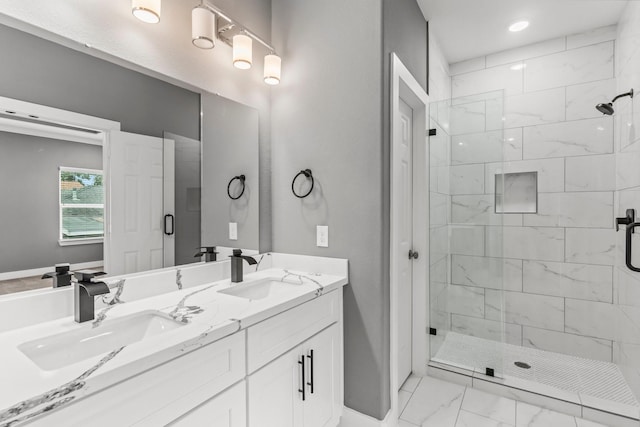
x: 322, y: 236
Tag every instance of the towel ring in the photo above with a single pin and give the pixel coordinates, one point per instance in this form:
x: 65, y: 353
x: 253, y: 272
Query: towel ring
x: 242, y: 179
x: 307, y: 173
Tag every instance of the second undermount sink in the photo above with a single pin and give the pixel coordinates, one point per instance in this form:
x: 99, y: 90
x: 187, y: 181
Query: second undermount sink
x: 260, y: 289
x: 60, y: 350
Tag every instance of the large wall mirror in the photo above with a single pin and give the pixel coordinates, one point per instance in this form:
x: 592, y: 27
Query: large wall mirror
x: 154, y: 176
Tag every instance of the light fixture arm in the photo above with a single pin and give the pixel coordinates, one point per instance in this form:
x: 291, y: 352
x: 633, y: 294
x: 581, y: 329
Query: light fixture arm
x: 233, y: 21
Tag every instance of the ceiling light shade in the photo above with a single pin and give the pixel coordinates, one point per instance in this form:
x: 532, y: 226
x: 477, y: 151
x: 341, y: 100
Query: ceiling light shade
x: 518, y: 26
x: 242, y: 51
x: 272, y: 68
x: 203, y: 27
x: 146, y: 10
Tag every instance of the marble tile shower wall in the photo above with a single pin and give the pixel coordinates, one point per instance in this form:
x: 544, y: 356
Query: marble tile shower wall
x: 557, y: 265
x: 625, y: 314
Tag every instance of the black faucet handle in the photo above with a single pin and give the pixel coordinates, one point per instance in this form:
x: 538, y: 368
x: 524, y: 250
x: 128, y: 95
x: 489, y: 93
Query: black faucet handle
x: 626, y: 220
x: 63, y: 268
x: 87, y: 275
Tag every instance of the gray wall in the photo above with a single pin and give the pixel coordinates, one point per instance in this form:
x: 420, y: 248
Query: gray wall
x: 42, y: 72
x: 29, y: 194
x: 229, y: 148
x: 328, y: 115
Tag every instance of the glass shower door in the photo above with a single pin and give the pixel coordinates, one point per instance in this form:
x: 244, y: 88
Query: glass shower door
x: 182, y: 182
x: 466, y: 266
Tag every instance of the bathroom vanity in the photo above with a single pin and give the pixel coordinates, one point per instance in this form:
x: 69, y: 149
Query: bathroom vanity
x: 263, y: 352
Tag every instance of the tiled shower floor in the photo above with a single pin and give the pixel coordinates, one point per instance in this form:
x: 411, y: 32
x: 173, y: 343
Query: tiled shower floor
x: 590, y: 379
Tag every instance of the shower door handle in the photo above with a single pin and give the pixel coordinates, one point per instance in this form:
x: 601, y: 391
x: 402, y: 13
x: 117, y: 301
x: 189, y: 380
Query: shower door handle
x: 628, y: 243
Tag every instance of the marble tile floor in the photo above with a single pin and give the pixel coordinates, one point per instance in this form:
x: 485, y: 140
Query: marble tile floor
x: 586, y: 377
x: 431, y: 402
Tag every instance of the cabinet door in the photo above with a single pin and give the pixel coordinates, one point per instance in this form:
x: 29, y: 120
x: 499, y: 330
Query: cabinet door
x: 322, y: 406
x: 274, y: 399
x: 227, y: 409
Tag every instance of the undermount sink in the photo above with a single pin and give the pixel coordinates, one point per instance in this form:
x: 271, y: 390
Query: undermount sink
x: 260, y: 289
x: 60, y: 350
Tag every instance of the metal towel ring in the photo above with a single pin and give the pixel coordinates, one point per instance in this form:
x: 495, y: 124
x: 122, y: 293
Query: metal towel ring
x: 307, y: 173
x: 242, y: 179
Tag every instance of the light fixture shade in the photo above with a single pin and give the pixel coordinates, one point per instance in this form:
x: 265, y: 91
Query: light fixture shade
x: 272, y: 66
x: 242, y: 51
x: 146, y: 10
x: 203, y: 27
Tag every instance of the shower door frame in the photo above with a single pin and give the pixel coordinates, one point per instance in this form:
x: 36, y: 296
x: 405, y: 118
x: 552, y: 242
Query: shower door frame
x: 404, y: 86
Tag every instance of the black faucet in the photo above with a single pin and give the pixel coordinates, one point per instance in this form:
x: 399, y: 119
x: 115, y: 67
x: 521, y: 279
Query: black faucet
x: 84, y: 291
x: 236, y: 265
x: 209, y: 252
x: 61, y: 277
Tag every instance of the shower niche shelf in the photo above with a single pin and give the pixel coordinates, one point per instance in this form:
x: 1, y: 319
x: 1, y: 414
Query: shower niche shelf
x: 516, y: 193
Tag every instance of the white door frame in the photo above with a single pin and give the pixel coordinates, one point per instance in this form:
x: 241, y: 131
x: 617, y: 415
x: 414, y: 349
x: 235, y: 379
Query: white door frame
x: 404, y: 86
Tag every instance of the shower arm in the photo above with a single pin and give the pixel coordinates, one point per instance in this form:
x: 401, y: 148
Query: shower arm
x: 630, y: 93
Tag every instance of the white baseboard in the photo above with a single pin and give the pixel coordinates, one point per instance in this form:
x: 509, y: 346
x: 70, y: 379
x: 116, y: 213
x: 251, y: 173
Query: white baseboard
x: 40, y: 271
x: 352, y: 418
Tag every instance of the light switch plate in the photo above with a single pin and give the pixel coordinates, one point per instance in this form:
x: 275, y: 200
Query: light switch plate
x: 233, y: 231
x: 322, y: 236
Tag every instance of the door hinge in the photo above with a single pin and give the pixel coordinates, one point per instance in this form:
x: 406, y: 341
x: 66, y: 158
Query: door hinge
x: 413, y: 255
x: 433, y: 331
x: 490, y: 372
x: 432, y: 132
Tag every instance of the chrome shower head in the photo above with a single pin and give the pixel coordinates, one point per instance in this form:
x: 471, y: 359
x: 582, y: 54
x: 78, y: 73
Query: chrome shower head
x: 608, y: 108
x: 605, y: 108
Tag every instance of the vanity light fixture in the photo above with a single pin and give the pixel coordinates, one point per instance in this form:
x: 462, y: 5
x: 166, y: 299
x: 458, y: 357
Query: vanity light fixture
x: 272, y: 66
x: 146, y: 10
x: 210, y: 22
x: 518, y: 26
x: 242, y: 51
x: 203, y: 27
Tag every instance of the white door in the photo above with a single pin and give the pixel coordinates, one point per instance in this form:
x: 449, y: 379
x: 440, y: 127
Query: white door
x: 322, y: 404
x: 274, y: 399
x: 134, y: 202
x: 404, y: 214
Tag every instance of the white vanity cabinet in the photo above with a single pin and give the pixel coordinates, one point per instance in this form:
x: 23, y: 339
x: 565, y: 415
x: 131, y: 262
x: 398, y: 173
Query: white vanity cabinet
x: 228, y: 409
x: 303, y: 387
x: 252, y: 378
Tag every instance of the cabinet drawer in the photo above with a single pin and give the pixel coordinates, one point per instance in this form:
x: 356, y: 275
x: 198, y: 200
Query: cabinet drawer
x: 273, y: 337
x: 160, y: 395
x: 228, y: 409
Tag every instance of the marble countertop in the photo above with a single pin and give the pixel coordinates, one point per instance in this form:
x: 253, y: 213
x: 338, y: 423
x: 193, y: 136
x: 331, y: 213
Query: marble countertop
x: 207, y: 314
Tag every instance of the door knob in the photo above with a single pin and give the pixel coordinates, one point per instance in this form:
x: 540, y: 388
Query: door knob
x: 413, y: 255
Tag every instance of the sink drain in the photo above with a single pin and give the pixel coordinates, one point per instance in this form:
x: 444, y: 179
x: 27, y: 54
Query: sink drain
x: 522, y: 365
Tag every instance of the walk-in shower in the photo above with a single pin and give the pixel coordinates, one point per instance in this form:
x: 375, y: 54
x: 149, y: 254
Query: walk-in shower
x: 528, y: 277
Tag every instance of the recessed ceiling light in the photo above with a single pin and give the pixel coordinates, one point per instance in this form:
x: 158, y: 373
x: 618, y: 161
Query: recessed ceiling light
x: 518, y: 67
x: 518, y: 26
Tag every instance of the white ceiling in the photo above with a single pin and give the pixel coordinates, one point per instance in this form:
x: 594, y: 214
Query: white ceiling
x: 467, y: 29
